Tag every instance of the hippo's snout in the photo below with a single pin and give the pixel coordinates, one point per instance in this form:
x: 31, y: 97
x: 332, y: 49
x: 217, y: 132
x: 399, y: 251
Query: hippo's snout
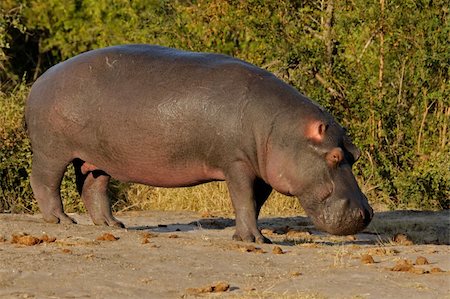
x: 342, y: 217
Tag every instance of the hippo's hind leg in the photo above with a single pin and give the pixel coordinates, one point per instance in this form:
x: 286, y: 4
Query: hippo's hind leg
x: 45, y: 180
x: 93, y: 187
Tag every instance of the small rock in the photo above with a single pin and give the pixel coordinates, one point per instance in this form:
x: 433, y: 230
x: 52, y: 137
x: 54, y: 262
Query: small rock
x: 436, y: 270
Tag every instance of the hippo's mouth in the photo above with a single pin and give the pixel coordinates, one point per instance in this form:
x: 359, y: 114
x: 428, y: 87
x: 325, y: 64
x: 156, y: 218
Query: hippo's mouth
x: 340, y: 229
x: 337, y: 220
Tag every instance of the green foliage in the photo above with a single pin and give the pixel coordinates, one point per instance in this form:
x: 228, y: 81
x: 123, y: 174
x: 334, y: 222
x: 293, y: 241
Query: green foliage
x: 426, y: 186
x: 15, y: 153
x: 382, y: 72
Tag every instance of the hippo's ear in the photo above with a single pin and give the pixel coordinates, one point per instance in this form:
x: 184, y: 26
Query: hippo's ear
x: 315, y: 130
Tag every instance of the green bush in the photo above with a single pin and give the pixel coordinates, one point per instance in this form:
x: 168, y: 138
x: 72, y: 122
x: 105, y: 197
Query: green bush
x: 383, y: 74
x: 15, y: 153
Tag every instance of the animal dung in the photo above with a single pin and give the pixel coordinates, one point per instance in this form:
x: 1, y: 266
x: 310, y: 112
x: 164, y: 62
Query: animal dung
x: 277, y: 250
x: 45, y: 238
x: 421, y: 260
x: 215, y: 288
x: 382, y: 251
x: 250, y: 248
x: 407, y: 266
x: 28, y: 240
x: 292, y: 233
x: 25, y: 239
x: 267, y: 231
x: 367, y: 259
x: 402, y: 239
x: 207, y: 214
x: 147, y: 236
x: 351, y: 238
x: 436, y: 270
x: 107, y: 237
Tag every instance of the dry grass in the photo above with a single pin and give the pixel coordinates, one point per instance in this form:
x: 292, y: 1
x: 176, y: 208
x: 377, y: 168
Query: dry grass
x: 211, y: 197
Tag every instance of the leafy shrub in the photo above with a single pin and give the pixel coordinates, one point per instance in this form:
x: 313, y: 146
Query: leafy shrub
x: 383, y: 74
x: 15, y: 153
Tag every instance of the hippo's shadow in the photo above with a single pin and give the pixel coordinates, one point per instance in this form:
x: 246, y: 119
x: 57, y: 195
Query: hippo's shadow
x: 204, y: 223
x: 421, y: 227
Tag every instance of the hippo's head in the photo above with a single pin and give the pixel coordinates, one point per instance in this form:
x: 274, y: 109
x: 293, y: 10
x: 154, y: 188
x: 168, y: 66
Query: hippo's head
x: 314, y: 163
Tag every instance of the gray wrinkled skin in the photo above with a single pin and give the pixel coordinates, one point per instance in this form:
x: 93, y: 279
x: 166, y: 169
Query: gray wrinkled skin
x: 170, y: 118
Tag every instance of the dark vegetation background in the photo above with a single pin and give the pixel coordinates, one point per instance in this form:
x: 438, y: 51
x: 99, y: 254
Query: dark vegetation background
x: 381, y: 68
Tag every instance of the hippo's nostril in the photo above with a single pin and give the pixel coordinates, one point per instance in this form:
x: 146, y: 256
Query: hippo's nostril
x: 361, y: 213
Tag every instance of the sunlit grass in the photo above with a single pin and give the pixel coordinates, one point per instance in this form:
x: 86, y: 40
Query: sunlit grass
x: 212, y: 197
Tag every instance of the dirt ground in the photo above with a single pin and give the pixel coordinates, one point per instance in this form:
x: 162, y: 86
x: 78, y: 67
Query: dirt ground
x: 185, y: 255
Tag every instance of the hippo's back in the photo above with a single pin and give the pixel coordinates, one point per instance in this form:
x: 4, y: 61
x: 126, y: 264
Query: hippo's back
x: 128, y: 104
x: 136, y: 77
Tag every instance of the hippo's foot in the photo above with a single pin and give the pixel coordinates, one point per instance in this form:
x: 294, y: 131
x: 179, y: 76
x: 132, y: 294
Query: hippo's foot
x: 95, y: 198
x: 58, y: 217
x: 249, y: 237
x: 108, y: 221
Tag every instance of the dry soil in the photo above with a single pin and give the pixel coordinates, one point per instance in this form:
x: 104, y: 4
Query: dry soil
x: 402, y: 254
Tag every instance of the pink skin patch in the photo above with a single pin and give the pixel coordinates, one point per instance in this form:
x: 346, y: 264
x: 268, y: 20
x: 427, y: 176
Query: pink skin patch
x: 315, y: 130
x: 335, y: 156
x: 86, y: 167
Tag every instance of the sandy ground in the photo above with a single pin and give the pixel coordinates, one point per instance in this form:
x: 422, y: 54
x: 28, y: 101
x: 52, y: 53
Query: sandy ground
x: 185, y: 255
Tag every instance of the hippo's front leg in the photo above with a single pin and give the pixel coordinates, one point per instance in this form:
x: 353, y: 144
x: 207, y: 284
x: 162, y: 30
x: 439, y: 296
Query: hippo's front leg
x: 247, y: 197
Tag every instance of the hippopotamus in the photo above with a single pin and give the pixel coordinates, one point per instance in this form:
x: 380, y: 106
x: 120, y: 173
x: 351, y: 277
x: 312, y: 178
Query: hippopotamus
x: 170, y: 118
